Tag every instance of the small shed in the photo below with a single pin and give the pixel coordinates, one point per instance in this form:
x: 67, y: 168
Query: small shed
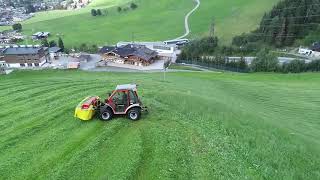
x: 55, y: 52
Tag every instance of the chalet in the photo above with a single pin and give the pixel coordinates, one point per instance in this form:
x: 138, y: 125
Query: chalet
x: 166, y: 52
x: 17, y: 57
x: 40, y: 35
x: 316, y: 46
x: 130, y: 54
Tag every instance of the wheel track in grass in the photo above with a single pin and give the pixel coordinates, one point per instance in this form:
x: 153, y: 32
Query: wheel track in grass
x: 87, y: 145
x: 51, y: 98
x: 111, y: 152
x: 66, y: 153
x: 196, y: 142
x: 50, y: 126
x: 36, y: 91
x: 44, y: 89
x: 38, y: 111
x: 22, y: 87
x: 23, y: 125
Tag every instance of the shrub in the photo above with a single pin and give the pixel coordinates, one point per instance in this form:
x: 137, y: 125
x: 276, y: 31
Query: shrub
x: 93, y: 12
x: 17, y: 27
x: 265, y: 62
x: 133, y: 5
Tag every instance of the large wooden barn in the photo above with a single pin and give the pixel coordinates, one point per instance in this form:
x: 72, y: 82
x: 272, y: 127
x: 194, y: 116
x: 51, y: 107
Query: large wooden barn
x: 130, y: 54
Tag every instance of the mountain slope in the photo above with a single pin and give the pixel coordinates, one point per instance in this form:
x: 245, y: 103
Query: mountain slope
x: 151, y: 21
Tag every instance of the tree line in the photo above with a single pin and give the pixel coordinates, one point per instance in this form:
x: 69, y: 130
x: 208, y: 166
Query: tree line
x: 288, y: 21
x: 206, y: 52
x: 53, y: 43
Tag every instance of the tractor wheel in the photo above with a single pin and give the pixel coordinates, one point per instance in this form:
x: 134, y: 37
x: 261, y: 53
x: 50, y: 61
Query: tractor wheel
x: 106, y: 115
x: 134, y: 114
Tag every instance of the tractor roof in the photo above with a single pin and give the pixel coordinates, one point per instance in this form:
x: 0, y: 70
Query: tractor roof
x: 127, y: 86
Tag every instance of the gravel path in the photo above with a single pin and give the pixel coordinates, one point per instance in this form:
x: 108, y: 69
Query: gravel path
x: 186, y: 21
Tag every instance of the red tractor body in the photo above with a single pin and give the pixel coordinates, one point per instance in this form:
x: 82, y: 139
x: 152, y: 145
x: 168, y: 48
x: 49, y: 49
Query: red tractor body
x: 123, y: 101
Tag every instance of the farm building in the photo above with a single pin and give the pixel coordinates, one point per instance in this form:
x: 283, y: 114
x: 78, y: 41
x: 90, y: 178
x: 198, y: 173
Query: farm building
x: 40, y: 35
x: 17, y: 57
x: 316, y: 46
x: 166, y: 52
x: 137, y: 55
x: 55, y: 52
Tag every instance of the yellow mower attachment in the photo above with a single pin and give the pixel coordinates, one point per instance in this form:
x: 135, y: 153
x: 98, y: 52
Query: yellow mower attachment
x: 86, y: 109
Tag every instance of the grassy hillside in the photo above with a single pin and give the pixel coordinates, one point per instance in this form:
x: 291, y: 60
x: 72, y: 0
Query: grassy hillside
x: 153, y: 20
x: 231, y: 17
x: 200, y: 126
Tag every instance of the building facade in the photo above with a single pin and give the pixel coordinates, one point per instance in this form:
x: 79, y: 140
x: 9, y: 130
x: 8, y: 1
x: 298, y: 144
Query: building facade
x: 20, y: 57
x: 129, y: 54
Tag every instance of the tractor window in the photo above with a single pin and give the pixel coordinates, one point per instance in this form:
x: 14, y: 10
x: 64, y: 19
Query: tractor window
x: 120, y: 97
x: 133, y: 97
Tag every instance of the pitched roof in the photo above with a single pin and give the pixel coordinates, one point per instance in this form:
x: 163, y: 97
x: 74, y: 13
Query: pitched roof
x: 54, y: 49
x: 135, y: 50
x: 21, y: 50
x: 316, y: 46
x: 106, y: 49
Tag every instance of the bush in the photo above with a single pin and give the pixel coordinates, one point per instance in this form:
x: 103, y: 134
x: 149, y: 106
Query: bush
x: 17, y: 27
x: 265, y: 62
x: 93, y: 12
x: 314, y: 65
x: 99, y: 13
x: 52, y: 43
x: 133, y: 6
x: 295, y: 66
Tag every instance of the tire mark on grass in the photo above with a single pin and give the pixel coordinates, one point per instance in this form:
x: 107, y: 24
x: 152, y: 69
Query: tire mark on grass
x: 52, y: 98
x: 84, y: 148
x: 22, y: 126
x: 35, y: 93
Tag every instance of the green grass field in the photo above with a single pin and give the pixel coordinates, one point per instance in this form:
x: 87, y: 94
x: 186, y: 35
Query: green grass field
x: 200, y: 126
x: 152, y: 21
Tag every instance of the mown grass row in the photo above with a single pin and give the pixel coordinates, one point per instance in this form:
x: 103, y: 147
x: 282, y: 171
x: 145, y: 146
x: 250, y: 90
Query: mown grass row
x: 200, y: 126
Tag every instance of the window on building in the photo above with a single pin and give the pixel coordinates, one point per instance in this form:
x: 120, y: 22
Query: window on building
x: 22, y: 65
x: 29, y: 64
x: 36, y: 64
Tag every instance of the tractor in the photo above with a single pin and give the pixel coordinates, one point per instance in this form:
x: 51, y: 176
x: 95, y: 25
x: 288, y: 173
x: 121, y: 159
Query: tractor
x: 123, y: 100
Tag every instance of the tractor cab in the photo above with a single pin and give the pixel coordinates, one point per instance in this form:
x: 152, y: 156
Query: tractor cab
x: 123, y: 100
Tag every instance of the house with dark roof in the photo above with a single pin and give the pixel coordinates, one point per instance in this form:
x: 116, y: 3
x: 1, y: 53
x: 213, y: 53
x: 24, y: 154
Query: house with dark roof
x: 137, y: 55
x: 55, y: 52
x: 40, y: 35
x: 17, y: 57
x: 316, y: 46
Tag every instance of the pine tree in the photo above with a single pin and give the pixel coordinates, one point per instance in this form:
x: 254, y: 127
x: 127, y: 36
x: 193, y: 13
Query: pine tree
x: 60, y: 44
x: 45, y: 43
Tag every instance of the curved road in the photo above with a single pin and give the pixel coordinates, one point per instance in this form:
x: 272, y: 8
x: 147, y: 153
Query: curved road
x: 186, y: 21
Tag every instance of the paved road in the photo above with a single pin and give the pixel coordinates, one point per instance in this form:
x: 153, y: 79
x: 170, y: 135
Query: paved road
x: 186, y: 21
